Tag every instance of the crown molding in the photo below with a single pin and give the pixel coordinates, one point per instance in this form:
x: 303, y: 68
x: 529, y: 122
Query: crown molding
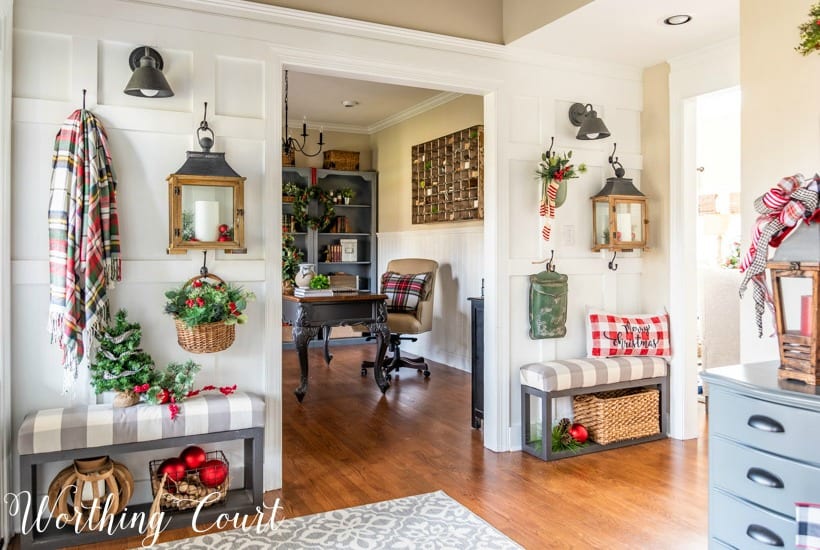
x: 330, y: 127
x: 414, y: 111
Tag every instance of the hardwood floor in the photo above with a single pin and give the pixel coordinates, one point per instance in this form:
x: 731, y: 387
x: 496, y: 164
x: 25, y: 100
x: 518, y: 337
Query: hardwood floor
x: 347, y: 445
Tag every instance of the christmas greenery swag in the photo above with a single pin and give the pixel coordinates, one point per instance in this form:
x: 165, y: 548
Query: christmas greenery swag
x: 291, y: 258
x: 121, y: 365
x: 203, y: 302
x: 300, y: 206
x: 553, y: 169
x: 810, y: 32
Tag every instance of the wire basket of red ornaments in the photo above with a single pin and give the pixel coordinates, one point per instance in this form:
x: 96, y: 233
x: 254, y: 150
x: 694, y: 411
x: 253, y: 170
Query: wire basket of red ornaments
x: 194, y: 477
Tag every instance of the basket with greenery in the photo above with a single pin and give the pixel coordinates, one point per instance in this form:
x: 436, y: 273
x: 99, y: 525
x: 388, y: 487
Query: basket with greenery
x: 206, y: 310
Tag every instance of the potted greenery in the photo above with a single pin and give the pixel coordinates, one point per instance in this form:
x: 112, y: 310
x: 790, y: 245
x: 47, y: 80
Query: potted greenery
x: 291, y: 258
x: 289, y: 191
x: 206, y: 310
x: 347, y: 194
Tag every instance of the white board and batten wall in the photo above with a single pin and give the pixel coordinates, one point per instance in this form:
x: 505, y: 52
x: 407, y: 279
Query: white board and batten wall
x: 230, y: 54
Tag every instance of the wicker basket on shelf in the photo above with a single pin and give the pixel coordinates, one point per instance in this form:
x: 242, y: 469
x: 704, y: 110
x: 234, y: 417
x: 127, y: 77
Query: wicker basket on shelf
x: 207, y: 337
x: 289, y: 159
x: 341, y: 160
x: 618, y: 415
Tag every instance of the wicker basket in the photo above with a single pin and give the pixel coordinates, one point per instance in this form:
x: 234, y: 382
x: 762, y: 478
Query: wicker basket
x: 341, y: 160
x: 187, y: 493
x: 289, y: 159
x: 617, y: 415
x: 208, y: 337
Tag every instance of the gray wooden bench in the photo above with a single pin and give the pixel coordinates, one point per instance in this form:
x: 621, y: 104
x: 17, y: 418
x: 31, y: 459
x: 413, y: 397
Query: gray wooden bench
x: 55, y: 435
x: 543, y: 382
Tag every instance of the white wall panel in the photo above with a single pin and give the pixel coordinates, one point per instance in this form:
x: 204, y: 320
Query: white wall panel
x: 239, y: 87
x: 459, y: 253
x: 42, y: 66
x: 525, y: 118
x: 525, y: 194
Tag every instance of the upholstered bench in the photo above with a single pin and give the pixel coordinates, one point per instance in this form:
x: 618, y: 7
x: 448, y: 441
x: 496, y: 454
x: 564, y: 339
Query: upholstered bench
x: 567, y: 377
x: 93, y: 430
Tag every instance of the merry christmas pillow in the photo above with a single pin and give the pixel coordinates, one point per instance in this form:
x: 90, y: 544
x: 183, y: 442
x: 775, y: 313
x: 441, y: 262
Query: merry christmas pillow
x: 611, y: 334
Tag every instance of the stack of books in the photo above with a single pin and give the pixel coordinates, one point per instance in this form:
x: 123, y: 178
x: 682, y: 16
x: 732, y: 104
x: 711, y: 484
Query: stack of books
x: 311, y: 292
x: 340, y: 225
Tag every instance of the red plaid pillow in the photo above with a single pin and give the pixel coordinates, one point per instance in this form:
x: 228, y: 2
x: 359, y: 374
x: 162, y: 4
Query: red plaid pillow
x: 642, y: 334
x: 404, y: 291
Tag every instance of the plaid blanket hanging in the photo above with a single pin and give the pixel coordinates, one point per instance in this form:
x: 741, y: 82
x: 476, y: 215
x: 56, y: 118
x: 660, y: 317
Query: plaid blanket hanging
x: 84, y: 244
x: 782, y: 208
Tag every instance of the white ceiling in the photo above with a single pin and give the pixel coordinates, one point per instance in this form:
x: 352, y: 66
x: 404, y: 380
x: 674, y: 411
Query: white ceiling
x: 319, y: 99
x: 631, y: 32
x: 628, y: 32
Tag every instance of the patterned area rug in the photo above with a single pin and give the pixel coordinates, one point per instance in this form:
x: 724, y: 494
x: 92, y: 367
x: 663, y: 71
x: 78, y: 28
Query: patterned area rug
x: 432, y: 520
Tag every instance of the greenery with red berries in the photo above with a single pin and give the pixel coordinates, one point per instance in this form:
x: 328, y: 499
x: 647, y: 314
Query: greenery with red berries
x: 810, y: 32
x: 202, y: 302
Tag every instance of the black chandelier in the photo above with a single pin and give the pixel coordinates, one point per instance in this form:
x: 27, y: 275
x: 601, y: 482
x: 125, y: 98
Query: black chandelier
x: 289, y: 144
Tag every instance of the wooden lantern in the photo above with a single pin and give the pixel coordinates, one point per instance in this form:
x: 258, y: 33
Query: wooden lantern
x: 795, y: 275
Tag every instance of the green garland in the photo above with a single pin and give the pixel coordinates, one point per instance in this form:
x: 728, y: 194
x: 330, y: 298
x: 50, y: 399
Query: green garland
x: 300, y: 206
x: 810, y: 32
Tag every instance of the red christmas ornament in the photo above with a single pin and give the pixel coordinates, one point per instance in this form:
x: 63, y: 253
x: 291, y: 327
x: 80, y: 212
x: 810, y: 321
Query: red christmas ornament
x: 223, y: 229
x: 174, y: 467
x: 193, y: 457
x: 578, y: 432
x: 213, y: 473
x: 223, y: 239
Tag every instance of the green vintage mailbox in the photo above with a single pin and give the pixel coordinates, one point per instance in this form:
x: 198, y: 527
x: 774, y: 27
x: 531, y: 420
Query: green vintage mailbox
x: 548, y: 305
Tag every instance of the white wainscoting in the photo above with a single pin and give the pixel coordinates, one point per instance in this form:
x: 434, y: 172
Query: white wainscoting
x: 458, y: 249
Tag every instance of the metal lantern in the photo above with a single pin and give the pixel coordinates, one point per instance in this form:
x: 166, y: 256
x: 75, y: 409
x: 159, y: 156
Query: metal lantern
x: 620, y: 220
x: 795, y: 276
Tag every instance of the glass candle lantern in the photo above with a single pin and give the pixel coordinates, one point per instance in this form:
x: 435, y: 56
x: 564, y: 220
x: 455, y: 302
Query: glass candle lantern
x: 619, y: 216
x: 795, y: 277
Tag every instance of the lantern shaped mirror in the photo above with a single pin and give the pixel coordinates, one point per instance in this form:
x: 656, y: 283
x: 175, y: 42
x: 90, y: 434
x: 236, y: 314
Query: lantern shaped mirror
x: 619, y: 213
x: 205, y: 201
x: 795, y: 276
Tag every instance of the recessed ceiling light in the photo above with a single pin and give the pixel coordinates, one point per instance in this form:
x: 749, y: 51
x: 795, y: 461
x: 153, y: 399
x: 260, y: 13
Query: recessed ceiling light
x: 674, y: 20
x: 350, y: 103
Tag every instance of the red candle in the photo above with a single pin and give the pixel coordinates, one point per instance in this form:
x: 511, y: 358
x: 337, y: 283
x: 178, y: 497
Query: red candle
x: 806, y: 314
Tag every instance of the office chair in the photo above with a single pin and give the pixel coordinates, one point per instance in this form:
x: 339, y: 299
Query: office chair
x: 402, y: 318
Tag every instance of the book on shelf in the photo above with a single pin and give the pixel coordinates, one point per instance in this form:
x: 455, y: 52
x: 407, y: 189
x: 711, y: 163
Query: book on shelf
x: 340, y: 224
x: 310, y: 292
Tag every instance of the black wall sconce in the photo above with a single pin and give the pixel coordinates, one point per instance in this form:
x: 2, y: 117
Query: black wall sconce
x: 591, y: 127
x: 147, y: 79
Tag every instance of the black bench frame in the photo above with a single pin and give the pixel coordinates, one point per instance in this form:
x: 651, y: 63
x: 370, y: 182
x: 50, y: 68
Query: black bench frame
x: 545, y: 452
x: 238, y: 501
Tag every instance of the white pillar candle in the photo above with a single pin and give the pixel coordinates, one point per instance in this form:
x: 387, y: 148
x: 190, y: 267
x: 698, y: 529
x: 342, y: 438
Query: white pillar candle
x: 624, y: 226
x: 206, y: 220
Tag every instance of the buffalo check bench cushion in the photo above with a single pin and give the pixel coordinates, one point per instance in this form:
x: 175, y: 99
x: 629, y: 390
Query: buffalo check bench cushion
x: 91, y: 426
x: 565, y: 374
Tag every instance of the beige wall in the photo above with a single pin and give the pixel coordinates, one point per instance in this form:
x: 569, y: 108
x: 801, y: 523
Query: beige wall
x: 521, y: 17
x: 780, y: 115
x: 475, y: 19
x: 336, y: 140
x: 655, y: 182
x: 391, y: 156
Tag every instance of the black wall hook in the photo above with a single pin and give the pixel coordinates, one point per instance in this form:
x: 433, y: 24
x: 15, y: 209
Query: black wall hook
x: 204, y: 269
x: 549, y: 149
x: 550, y: 266
x: 612, y: 265
x: 84, y: 90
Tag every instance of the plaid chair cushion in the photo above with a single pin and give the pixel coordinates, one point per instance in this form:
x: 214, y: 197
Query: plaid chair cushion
x: 610, y: 335
x: 404, y: 291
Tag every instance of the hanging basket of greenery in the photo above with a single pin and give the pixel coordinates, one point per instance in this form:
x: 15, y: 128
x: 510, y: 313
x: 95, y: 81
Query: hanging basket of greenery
x: 300, y: 208
x: 206, y: 311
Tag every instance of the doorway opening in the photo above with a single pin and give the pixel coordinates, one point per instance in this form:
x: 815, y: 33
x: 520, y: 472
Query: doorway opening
x: 717, y: 158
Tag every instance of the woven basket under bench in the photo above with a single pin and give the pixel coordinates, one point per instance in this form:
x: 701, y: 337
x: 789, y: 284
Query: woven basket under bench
x: 618, y: 415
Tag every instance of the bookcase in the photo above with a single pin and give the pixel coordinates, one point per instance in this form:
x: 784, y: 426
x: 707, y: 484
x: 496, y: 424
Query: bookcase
x: 353, y: 225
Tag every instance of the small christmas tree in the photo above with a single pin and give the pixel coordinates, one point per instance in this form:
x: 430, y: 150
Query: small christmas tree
x: 120, y: 364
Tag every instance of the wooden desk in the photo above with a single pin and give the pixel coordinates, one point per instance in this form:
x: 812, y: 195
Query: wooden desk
x: 309, y: 315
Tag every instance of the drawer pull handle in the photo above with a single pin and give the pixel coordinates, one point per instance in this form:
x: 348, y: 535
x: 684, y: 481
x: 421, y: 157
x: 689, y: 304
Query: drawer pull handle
x: 762, y: 477
x: 765, y: 424
x: 763, y: 535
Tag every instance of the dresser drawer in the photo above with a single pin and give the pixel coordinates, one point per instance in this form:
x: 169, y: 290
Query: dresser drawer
x: 782, y: 430
x: 773, y: 482
x: 742, y: 525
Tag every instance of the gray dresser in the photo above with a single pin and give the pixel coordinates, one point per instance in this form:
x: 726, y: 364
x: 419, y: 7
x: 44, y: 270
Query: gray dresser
x: 764, y: 455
